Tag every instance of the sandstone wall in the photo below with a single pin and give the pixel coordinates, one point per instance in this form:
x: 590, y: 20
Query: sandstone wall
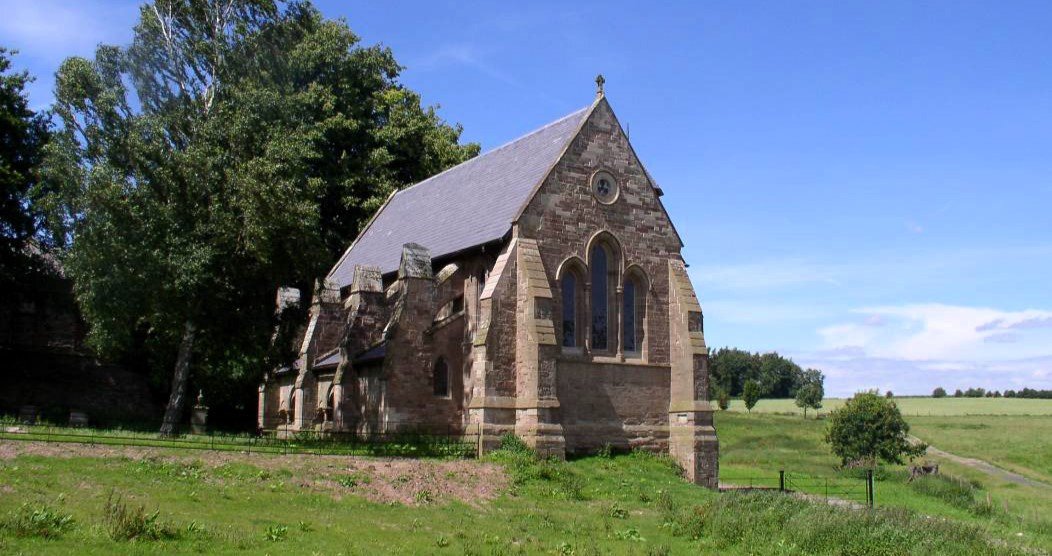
x: 623, y: 404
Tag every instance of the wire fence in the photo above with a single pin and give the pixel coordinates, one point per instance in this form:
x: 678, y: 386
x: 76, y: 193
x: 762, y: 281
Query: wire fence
x: 851, y: 489
x: 401, y: 443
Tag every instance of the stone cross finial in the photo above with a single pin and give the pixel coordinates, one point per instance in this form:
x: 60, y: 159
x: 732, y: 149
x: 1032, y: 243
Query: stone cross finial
x: 599, y: 82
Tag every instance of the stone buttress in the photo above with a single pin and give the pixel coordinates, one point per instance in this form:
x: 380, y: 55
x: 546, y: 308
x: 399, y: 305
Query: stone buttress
x: 692, y: 436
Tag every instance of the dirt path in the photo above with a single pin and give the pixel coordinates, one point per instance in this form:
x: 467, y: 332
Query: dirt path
x: 985, y: 467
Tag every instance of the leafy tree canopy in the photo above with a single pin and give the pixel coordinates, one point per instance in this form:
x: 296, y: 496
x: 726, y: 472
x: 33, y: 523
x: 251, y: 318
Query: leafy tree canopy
x: 809, y: 395
x: 869, y: 428
x: 23, y: 134
x: 235, y: 146
x: 731, y: 368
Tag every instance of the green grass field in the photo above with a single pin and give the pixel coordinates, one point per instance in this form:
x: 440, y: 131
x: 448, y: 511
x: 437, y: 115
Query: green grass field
x: 920, y: 406
x: 208, y: 502
x: 1019, y: 444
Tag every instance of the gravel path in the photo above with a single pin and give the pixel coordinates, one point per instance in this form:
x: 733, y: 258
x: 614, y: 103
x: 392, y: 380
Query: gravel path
x: 986, y: 467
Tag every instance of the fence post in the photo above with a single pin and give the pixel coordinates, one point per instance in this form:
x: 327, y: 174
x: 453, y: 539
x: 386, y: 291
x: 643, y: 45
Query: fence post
x: 869, y: 487
x: 781, y: 480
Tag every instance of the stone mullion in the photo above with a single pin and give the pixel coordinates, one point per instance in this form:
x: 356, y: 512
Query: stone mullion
x: 587, y: 317
x: 619, y: 300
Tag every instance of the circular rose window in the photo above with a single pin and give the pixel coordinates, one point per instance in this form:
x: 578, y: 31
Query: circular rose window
x: 604, y: 187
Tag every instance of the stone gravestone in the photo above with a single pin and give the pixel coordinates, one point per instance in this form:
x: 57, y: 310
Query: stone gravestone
x: 199, y: 416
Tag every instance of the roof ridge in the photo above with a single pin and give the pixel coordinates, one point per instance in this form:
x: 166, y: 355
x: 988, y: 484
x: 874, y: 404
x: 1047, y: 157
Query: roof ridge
x: 493, y: 189
x: 496, y: 149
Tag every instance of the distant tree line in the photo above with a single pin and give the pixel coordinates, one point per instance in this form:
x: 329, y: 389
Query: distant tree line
x: 940, y: 392
x: 730, y: 369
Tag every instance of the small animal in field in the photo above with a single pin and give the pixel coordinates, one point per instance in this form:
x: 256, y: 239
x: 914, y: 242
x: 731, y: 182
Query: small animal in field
x: 925, y: 468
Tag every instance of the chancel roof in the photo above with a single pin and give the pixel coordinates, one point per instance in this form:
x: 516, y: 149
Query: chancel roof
x: 467, y: 205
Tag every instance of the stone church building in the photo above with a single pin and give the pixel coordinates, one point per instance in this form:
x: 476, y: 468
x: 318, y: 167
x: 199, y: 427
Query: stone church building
x: 537, y: 289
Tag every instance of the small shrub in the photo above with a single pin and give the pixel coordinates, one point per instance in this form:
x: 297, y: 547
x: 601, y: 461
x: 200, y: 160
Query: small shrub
x: 511, y: 443
x: 38, y: 521
x: 424, y: 497
x: 751, y: 393
x: 617, y: 512
x: 124, y: 523
x: 667, y: 506
x: 276, y: 533
x: 723, y: 400
x: 353, y: 480
x: 629, y: 535
x: 606, y: 452
x: 442, y: 541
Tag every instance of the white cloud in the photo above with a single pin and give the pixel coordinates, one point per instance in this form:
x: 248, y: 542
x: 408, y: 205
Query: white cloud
x: 936, y: 331
x: 920, y: 346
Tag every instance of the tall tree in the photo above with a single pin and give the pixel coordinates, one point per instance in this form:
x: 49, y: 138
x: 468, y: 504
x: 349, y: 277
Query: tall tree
x: 235, y: 146
x: 729, y: 368
x: 23, y: 134
x: 779, y: 377
x: 811, y: 390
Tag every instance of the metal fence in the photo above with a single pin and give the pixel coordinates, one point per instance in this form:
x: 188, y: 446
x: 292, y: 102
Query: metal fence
x: 852, y: 489
x: 403, y: 443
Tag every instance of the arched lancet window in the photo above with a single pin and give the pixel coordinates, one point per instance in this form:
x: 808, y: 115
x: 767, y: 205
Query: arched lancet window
x: 569, y: 302
x: 599, y: 265
x: 634, y: 312
x: 440, y: 378
x: 629, y: 312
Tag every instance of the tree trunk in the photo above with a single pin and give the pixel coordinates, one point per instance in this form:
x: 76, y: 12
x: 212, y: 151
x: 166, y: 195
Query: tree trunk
x: 182, y: 372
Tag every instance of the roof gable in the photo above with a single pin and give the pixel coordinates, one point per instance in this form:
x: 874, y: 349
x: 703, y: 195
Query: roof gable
x: 467, y: 205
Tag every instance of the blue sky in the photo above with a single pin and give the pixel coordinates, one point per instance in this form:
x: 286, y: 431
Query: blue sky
x: 866, y: 187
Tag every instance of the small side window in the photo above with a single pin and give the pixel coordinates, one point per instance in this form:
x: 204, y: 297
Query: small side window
x: 440, y: 378
x: 696, y: 322
x: 542, y: 308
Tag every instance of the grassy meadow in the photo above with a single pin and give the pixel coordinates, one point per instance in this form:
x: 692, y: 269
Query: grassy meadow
x: 917, y: 406
x: 1019, y: 444
x: 62, y: 499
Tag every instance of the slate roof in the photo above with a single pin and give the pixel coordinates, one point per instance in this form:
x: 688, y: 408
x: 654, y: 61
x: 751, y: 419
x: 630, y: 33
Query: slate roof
x: 330, y: 360
x: 467, y: 205
x: 373, y: 354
